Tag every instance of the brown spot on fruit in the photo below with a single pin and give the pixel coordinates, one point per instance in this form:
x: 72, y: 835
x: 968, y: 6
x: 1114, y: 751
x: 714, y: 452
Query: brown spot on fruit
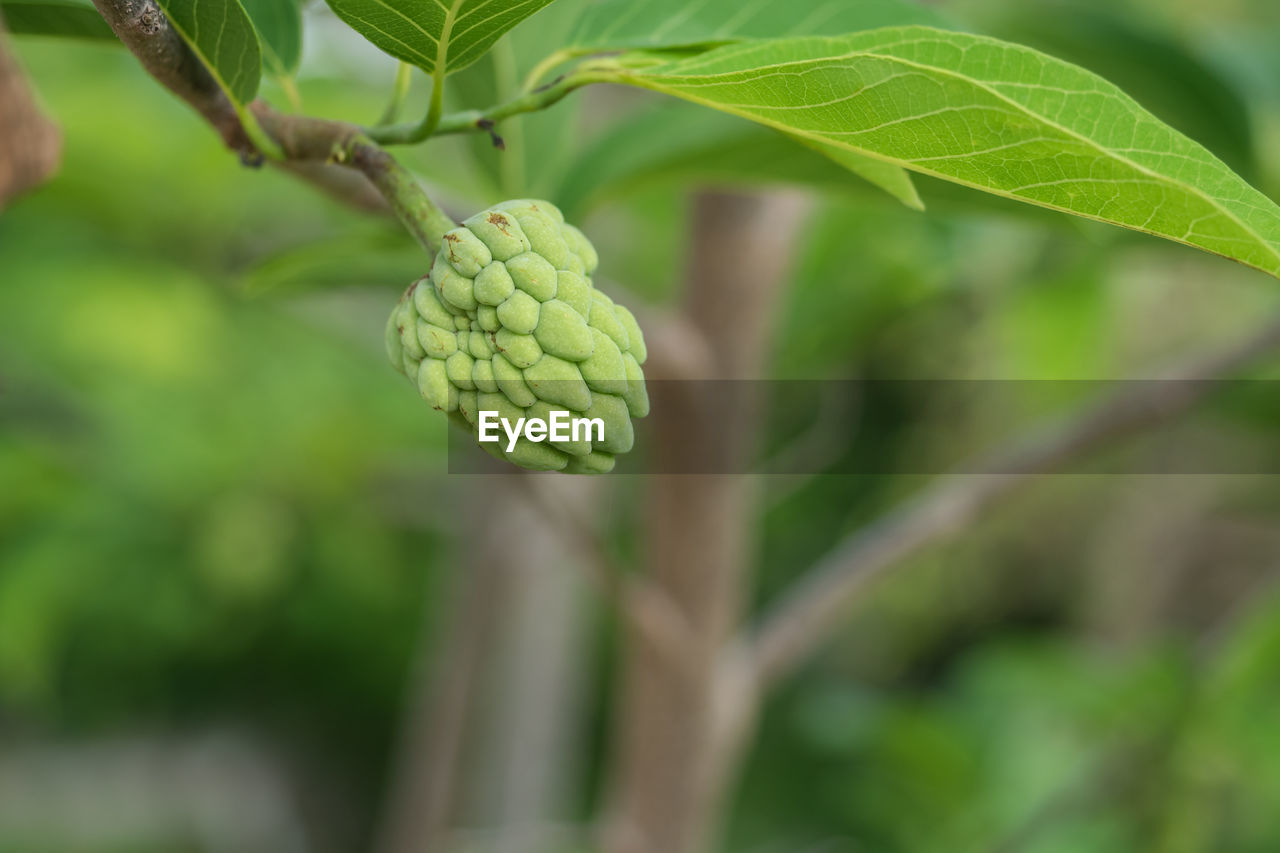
x: 450, y: 240
x: 497, y: 220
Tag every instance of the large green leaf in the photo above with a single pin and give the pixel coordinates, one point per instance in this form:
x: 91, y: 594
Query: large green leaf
x: 990, y: 115
x: 616, y: 24
x: 427, y: 33
x: 279, y: 26
x: 221, y: 34
x: 74, y: 18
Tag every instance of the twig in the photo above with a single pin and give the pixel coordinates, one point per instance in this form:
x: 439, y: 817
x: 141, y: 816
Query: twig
x: 817, y: 603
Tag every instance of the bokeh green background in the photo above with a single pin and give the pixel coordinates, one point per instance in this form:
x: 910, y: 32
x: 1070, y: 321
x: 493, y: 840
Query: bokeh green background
x: 226, y: 525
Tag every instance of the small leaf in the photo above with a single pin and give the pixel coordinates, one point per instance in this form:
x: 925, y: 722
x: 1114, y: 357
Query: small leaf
x: 71, y: 18
x: 279, y: 26
x: 990, y: 115
x: 891, y: 178
x: 222, y: 36
x: 427, y: 33
x: 620, y: 24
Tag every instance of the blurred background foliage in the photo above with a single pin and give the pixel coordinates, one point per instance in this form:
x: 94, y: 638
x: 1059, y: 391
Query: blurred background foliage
x: 224, y: 522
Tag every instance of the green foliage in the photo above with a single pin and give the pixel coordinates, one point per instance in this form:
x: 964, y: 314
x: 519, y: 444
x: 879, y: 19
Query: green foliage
x: 990, y: 115
x: 222, y: 508
x: 220, y: 33
x: 73, y: 18
x: 435, y: 34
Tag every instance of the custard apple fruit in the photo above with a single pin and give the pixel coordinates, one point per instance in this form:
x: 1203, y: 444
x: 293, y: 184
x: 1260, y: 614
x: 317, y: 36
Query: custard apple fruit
x: 507, y: 321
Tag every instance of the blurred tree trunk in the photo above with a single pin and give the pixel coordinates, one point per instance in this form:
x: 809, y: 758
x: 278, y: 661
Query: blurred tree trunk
x: 441, y: 700
x: 526, y: 760
x: 672, y: 757
x: 487, y: 736
x: 30, y: 145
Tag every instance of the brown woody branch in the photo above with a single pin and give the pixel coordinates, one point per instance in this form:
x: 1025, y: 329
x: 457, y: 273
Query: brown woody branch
x: 318, y: 151
x: 143, y: 28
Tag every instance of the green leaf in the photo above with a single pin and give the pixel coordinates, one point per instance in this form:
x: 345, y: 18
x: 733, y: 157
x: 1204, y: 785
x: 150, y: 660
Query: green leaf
x: 279, y: 26
x: 620, y: 24
x: 222, y: 36
x: 990, y: 115
x: 674, y: 142
x: 72, y: 18
x: 427, y: 33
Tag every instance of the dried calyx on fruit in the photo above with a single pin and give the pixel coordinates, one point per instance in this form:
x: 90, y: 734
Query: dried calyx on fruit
x: 508, y: 321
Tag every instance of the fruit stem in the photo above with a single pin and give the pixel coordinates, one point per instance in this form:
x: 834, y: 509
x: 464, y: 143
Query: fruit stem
x: 410, y: 202
x: 406, y: 197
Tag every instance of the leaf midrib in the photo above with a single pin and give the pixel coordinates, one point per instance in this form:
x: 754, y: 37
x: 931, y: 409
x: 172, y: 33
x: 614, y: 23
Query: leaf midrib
x: 442, y: 44
x: 1211, y: 200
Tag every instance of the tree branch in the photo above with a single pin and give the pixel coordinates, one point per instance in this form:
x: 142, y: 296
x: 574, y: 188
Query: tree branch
x: 817, y: 603
x: 672, y: 762
x: 143, y: 28
x: 306, y: 139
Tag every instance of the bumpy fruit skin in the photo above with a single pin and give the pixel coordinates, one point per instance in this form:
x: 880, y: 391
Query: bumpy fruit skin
x: 508, y: 321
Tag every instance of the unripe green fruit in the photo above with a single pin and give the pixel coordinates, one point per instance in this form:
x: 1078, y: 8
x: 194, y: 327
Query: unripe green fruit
x: 507, y: 321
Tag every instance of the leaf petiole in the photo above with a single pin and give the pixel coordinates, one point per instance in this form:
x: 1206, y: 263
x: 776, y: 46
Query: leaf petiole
x: 548, y: 63
x: 399, y: 92
x: 483, y: 120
